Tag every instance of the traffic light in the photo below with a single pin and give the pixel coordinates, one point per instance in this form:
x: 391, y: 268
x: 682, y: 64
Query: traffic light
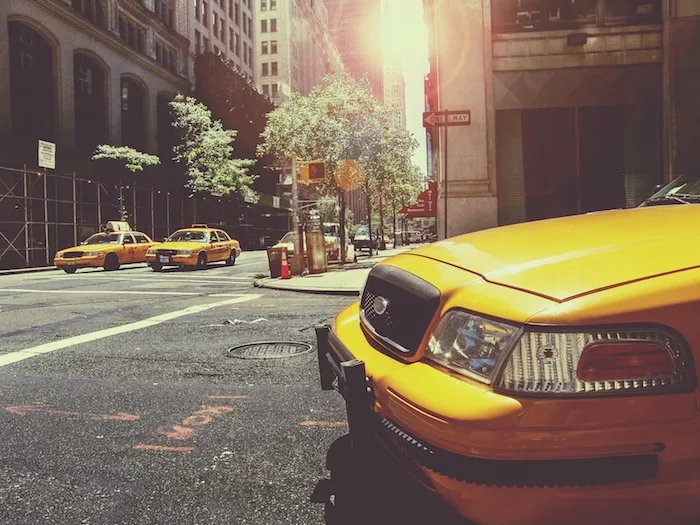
x: 312, y: 172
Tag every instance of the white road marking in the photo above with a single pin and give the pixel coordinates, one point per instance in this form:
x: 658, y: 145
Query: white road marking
x: 46, y: 348
x: 106, y: 292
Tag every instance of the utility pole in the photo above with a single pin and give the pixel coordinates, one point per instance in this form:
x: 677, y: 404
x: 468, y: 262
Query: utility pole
x: 297, y: 262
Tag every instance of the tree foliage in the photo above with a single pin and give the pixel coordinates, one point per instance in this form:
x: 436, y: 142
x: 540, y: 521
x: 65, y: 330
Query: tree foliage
x: 133, y: 160
x: 206, y: 152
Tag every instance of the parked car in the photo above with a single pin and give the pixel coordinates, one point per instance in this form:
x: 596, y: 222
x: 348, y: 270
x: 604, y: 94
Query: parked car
x: 544, y: 372
x: 331, y: 243
x: 194, y: 247
x: 361, y: 239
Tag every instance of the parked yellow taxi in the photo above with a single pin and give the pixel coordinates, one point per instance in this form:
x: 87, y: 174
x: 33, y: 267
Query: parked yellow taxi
x: 539, y: 373
x: 194, y: 247
x: 106, y: 250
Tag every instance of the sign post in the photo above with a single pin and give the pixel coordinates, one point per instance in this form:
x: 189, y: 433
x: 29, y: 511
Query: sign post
x: 462, y: 117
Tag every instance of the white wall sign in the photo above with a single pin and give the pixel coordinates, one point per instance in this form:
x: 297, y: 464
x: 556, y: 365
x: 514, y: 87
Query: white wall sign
x: 47, y: 155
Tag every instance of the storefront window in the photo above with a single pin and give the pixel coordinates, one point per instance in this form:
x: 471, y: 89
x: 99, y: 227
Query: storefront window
x: 541, y: 15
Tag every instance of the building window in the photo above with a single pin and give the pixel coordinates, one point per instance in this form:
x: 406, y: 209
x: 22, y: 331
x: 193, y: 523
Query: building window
x: 205, y: 13
x: 536, y: 15
x: 133, y: 115
x: 133, y: 35
x: 165, y: 12
x: 197, y: 10
x: 237, y: 15
x: 266, y: 89
x: 197, y: 42
x: 206, y: 44
x: 165, y: 56
x: 214, y: 22
x: 273, y: 25
x: 222, y: 31
x: 237, y: 49
x: 263, y: 26
x: 273, y: 47
x: 90, y: 105
x: 230, y: 8
x: 265, y: 69
x: 230, y: 39
x: 273, y: 5
x: 263, y: 5
x: 273, y: 69
x: 93, y: 10
x: 275, y: 88
x: 264, y: 50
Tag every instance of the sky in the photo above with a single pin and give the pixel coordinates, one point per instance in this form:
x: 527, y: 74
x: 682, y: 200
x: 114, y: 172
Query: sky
x: 405, y: 35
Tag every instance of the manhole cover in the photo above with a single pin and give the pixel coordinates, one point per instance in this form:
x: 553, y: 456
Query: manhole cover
x: 269, y: 350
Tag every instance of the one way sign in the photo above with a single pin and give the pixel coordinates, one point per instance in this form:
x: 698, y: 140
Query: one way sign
x: 447, y: 118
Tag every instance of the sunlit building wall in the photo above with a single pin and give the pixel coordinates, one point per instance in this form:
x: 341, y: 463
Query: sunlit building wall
x: 294, y: 47
x: 395, y: 91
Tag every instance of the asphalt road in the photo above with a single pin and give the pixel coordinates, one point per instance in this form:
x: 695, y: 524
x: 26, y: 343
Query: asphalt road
x: 120, y: 403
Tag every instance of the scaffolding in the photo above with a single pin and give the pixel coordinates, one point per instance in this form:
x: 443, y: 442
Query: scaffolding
x: 41, y: 213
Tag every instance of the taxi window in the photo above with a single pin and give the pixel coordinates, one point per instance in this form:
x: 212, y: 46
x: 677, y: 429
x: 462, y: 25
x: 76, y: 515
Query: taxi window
x: 128, y: 239
x: 223, y: 235
x: 214, y: 237
x: 188, y: 235
x: 141, y: 239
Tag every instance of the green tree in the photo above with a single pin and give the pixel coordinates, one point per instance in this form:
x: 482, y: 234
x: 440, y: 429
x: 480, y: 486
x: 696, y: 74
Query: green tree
x: 338, y: 120
x: 130, y: 159
x: 206, y: 152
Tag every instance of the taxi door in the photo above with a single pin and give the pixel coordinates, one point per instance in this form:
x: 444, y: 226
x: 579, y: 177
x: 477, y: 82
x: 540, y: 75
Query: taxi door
x: 141, y: 247
x: 128, y: 249
x: 217, y: 247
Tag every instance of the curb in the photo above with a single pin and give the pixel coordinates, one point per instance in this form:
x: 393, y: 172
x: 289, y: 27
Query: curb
x: 266, y: 283
x: 28, y: 270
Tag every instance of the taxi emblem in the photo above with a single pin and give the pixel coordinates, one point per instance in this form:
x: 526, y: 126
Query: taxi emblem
x: 380, y: 305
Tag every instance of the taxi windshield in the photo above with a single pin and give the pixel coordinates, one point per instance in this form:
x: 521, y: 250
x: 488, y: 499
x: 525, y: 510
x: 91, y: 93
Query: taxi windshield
x: 681, y: 190
x: 112, y: 238
x: 188, y: 236
x: 288, y: 238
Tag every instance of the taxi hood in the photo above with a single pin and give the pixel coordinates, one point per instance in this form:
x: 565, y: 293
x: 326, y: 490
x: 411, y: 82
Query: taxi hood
x: 572, y: 256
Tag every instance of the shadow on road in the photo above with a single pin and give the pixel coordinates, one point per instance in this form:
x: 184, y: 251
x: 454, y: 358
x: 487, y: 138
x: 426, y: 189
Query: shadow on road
x: 380, y: 493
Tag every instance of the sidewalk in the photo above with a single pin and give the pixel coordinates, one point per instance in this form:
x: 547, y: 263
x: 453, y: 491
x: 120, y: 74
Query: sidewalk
x: 345, y: 280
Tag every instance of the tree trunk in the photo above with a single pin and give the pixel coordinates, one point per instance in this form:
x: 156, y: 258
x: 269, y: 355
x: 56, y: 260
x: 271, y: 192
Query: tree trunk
x: 369, y: 222
x: 341, y: 197
x: 380, y: 241
x: 393, y: 231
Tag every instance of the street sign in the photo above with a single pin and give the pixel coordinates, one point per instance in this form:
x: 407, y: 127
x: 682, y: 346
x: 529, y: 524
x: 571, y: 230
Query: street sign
x: 426, y: 204
x: 447, y: 118
x: 47, y: 155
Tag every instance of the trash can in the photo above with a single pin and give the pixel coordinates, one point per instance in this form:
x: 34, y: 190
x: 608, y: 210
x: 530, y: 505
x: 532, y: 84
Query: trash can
x: 274, y: 260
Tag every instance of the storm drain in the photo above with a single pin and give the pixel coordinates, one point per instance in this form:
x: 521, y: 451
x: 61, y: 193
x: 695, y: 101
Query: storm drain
x: 269, y: 350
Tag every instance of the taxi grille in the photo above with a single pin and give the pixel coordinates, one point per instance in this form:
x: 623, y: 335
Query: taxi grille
x: 166, y: 252
x: 410, y: 304
x: 72, y: 255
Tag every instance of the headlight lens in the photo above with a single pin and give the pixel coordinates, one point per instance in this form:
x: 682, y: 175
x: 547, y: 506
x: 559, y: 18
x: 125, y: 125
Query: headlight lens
x: 186, y: 253
x: 151, y: 251
x: 470, y: 344
x: 93, y: 254
x: 59, y: 254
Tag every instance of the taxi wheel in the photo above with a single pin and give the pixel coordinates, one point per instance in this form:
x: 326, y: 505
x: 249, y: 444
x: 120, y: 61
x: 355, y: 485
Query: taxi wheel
x: 156, y: 267
x: 202, y: 260
x: 111, y: 262
x: 231, y: 258
x: 69, y: 270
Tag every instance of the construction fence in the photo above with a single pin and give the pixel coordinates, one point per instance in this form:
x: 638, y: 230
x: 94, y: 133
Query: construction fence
x: 41, y: 213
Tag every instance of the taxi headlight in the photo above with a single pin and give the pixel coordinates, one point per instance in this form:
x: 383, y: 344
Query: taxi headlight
x: 59, y: 255
x: 151, y: 251
x: 186, y: 253
x: 470, y: 344
x: 94, y: 254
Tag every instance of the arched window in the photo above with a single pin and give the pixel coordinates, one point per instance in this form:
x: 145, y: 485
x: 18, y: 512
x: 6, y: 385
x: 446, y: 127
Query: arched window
x: 133, y: 99
x: 90, y: 106
x: 32, y: 87
x: 165, y: 135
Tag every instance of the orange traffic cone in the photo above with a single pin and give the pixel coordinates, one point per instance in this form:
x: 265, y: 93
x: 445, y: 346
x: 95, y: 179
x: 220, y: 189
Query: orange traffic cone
x: 285, y: 266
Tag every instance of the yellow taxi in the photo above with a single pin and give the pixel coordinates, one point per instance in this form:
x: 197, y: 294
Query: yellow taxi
x: 194, y: 247
x: 106, y: 250
x: 539, y: 373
